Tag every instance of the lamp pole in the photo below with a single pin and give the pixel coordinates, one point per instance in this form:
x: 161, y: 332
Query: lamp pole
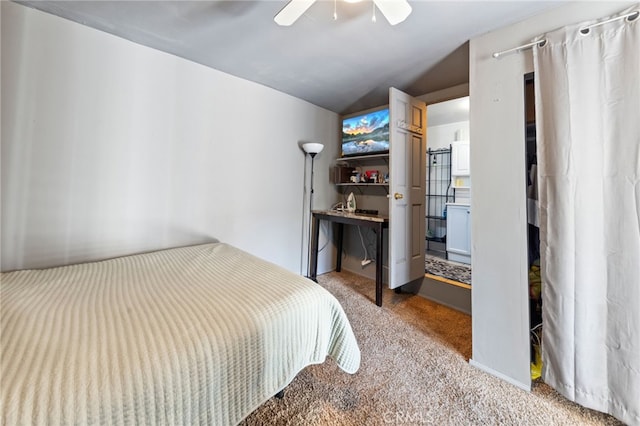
x: 313, y: 155
x: 312, y: 149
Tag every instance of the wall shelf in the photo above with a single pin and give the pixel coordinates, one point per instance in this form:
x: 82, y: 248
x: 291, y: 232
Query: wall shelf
x: 363, y: 158
x: 361, y: 184
x: 342, y: 180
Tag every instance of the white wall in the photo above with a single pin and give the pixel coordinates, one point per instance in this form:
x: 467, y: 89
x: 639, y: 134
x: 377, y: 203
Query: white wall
x: 499, y: 242
x: 110, y: 148
x: 443, y: 95
x: 441, y: 136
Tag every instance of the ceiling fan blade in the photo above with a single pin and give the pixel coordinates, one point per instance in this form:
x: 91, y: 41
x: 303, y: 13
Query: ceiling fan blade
x: 292, y: 11
x: 395, y: 11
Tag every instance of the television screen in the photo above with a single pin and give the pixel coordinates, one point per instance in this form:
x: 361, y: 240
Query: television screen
x: 366, y: 133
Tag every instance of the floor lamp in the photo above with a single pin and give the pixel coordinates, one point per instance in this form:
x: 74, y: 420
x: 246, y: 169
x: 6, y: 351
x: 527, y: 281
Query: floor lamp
x: 312, y: 149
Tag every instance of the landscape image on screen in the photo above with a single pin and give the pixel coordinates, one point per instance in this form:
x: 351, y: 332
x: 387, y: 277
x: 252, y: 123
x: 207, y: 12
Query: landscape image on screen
x: 366, y: 134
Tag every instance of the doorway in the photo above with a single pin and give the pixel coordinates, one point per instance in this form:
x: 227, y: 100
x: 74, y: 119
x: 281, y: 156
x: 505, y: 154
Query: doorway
x: 448, y: 193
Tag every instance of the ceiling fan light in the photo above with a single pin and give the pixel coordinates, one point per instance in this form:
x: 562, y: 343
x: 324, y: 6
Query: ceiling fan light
x: 292, y: 11
x: 395, y: 11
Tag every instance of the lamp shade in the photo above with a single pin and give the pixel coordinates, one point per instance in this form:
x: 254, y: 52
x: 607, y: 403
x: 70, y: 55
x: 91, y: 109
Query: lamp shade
x: 312, y: 148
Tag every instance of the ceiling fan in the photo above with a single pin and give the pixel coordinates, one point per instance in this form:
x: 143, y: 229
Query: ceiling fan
x: 395, y: 11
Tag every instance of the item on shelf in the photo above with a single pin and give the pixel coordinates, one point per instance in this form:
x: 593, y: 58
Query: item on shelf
x: 341, y: 174
x: 351, y: 203
x: 372, y: 175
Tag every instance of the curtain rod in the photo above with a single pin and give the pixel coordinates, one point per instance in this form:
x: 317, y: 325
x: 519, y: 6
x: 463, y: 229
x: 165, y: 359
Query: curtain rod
x: 631, y: 16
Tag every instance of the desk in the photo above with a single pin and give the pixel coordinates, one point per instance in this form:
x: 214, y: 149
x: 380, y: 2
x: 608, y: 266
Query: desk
x: 378, y: 223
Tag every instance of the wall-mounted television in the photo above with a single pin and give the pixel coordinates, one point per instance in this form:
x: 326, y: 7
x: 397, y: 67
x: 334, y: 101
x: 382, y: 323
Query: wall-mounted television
x: 366, y: 133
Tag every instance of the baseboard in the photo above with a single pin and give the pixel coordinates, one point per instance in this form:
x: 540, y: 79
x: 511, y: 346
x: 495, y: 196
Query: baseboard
x: 447, y: 304
x: 444, y: 293
x: 523, y: 386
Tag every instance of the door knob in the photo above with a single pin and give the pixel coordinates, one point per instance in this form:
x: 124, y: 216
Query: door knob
x: 398, y: 196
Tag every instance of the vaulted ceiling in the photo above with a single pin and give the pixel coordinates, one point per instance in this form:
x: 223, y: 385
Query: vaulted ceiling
x: 344, y: 65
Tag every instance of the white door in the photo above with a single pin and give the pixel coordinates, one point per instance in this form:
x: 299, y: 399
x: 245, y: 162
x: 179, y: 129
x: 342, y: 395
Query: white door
x: 407, y: 173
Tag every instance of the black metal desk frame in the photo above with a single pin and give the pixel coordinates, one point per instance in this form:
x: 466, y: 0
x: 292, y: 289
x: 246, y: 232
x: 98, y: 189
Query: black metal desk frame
x: 377, y: 223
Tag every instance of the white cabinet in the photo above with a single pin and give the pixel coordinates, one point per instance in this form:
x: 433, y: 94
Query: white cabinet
x: 459, y: 232
x: 460, y: 158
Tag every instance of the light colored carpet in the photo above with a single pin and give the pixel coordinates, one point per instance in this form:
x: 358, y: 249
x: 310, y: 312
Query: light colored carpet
x: 414, y: 371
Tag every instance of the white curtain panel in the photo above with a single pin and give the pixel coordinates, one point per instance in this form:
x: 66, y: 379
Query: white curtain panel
x: 588, y: 129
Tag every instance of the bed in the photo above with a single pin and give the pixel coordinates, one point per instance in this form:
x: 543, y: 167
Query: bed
x: 193, y: 335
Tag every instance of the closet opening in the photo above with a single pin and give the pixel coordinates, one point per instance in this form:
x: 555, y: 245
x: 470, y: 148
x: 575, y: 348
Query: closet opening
x: 533, y: 228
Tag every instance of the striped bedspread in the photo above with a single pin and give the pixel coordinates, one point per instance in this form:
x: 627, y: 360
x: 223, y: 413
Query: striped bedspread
x: 194, y: 335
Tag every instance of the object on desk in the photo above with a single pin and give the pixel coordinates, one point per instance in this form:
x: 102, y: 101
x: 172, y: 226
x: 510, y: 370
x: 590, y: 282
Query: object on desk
x: 367, y: 211
x: 351, y: 203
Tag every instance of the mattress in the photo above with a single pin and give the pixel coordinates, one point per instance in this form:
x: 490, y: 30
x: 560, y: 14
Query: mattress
x: 194, y: 335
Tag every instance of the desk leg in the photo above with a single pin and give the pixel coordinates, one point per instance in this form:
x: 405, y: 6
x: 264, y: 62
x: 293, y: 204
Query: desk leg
x: 379, y: 265
x: 313, y: 256
x: 339, y: 247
